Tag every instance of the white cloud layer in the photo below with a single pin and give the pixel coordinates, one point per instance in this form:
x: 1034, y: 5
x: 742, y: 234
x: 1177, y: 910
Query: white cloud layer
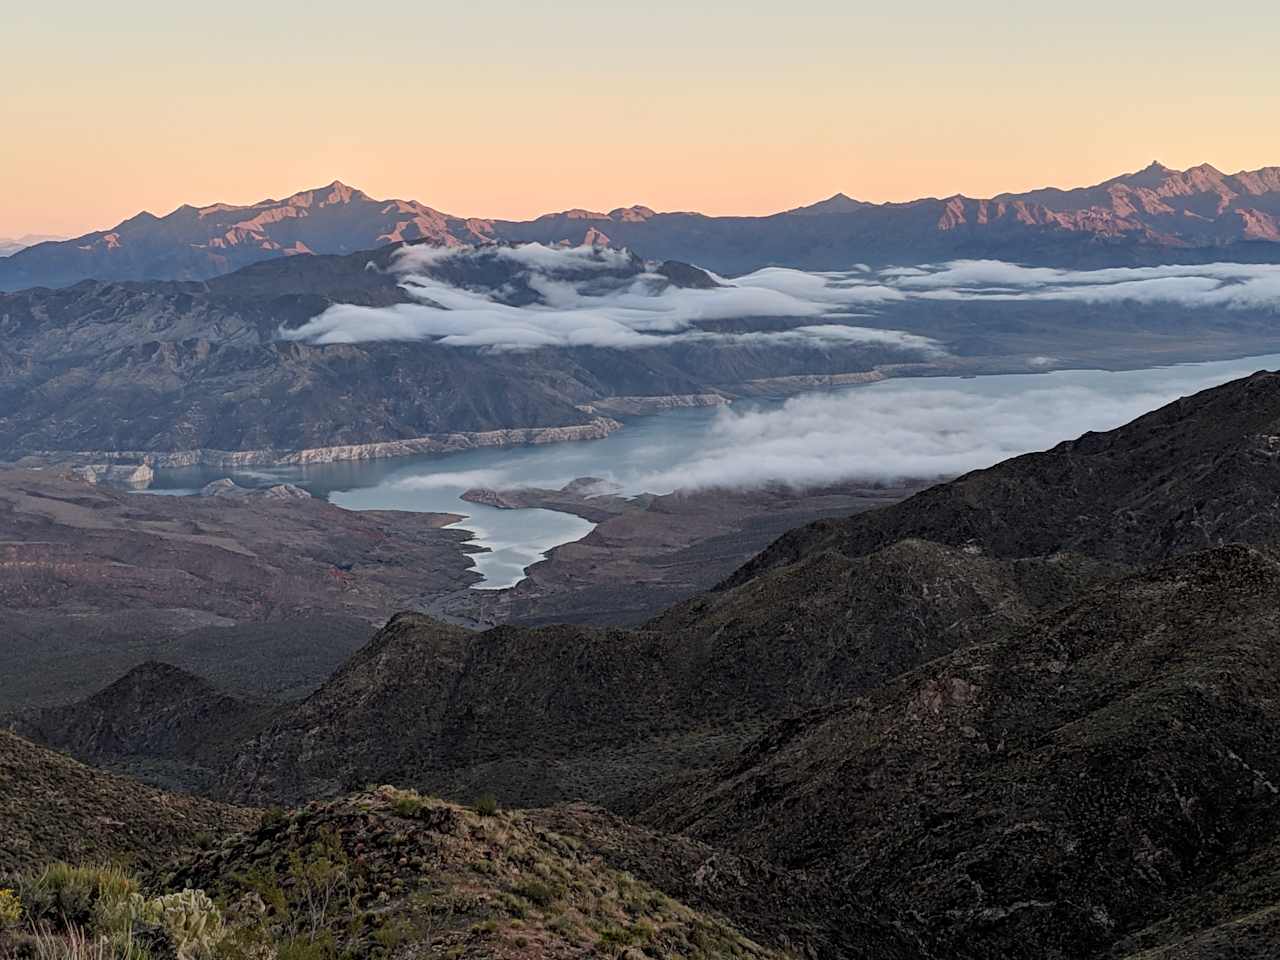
x: 593, y: 297
x: 1231, y: 285
x: 923, y: 430
x: 582, y: 306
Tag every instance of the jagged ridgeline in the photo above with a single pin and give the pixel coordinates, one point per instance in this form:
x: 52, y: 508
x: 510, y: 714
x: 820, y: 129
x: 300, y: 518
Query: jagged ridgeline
x: 1030, y: 713
x: 1152, y: 215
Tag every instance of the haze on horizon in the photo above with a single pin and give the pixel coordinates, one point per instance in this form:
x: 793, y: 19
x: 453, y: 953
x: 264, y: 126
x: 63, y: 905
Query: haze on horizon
x: 512, y: 110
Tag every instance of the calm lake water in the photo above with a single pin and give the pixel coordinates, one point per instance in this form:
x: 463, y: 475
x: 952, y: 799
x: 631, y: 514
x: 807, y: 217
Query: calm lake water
x: 649, y: 451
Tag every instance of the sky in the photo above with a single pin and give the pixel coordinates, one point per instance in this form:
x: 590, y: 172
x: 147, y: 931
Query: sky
x: 512, y: 108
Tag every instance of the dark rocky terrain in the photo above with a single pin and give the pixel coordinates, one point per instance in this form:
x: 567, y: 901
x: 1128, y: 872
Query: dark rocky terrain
x: 52, y: 808
x: 1030, y: 713
x: 1045, y: 794
x: 540, y: 715
x: 157, y: 723
x: 1156, y: 215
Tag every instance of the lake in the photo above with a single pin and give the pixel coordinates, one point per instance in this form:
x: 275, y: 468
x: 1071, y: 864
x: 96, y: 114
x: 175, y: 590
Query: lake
x: 912, y: 427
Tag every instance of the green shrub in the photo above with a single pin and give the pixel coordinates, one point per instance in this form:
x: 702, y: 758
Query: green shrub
x: 69, y: 895
x: 538, y: 893
x: 273, y: 817
x: 611, y: 935
x: 408, y: 805
x: 486, y: 805
x: 10, y: 909
x: 321, y: 948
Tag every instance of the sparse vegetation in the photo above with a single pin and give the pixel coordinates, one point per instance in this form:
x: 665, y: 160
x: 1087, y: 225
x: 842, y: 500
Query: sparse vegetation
x: 10, y: 909
x: 486, y: 805
x: 91, y: 912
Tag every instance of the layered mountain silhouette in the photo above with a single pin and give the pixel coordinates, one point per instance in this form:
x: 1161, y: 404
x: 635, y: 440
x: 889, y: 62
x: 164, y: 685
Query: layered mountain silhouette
x: 1155, y: 215
x: 1028, y: 713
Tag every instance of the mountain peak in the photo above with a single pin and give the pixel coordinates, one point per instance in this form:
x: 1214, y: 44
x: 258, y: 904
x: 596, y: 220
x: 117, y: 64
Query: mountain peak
x: 336, y: 192
x: 632, y: 214
x: 837, y: 203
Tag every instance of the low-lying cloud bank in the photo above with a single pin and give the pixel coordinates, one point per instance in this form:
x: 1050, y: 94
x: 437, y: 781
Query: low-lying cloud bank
x: 598, y: 297
x: 914, y: 429
x: 1231, y: 285
x: 588, y: 297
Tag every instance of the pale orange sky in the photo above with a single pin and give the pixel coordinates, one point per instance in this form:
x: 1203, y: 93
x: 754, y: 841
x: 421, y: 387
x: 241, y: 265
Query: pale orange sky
x: 513, y: 109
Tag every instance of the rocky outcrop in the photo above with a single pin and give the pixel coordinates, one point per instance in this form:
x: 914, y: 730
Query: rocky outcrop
x: 125, y: 475
x: 645, y: 406
x: 228, y: 488
x: 597, y: 429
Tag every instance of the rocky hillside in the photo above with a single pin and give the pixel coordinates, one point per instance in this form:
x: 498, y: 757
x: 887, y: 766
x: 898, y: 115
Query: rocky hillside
x: 53, y: 808
x: 215, y: 372
x: 1154, y: 215
x: 399, y: 874
x: 539, y: 715
x: 156, y: 723
x: 1050, y: 794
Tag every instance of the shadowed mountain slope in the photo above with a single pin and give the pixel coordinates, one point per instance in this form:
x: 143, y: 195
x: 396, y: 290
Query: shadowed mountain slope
x: 53, y: 808
x: 538, y: 715
x: 1046, y: 794
x: 157, y: 723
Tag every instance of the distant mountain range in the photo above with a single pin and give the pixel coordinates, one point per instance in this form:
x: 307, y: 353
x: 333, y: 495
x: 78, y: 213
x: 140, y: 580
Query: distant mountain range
x: 1155, y: 215
x: 11, y: 245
